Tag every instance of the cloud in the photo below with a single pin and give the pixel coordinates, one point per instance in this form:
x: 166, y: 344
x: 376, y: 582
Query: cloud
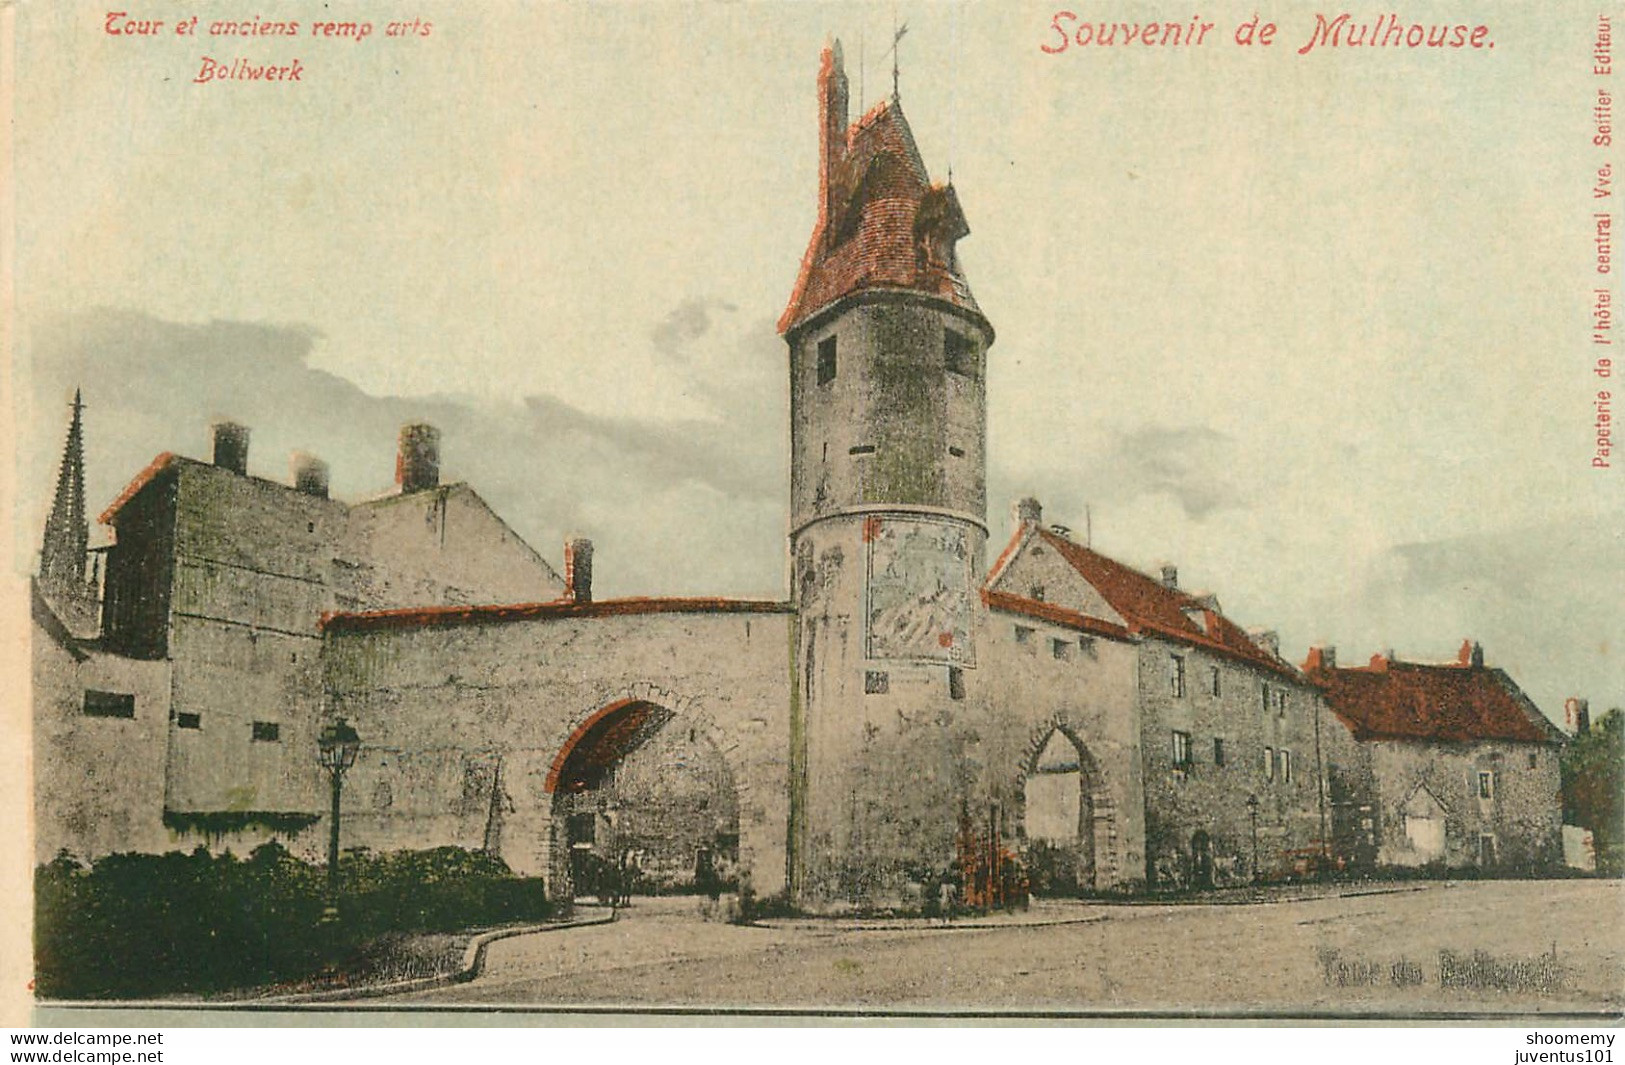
x: 709, y: 490
x: 1202, y: 470
x: 688, y: 321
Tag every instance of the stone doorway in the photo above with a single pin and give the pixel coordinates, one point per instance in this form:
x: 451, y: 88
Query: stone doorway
x: 1064, y: 815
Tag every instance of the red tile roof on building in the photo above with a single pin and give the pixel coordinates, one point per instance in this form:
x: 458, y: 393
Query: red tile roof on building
x: 1414, y: 701
x: 1059, y: 615
x: 436, y: 617
x: 1146, y: 605
x: 884, y: 225
x: 142, y: 479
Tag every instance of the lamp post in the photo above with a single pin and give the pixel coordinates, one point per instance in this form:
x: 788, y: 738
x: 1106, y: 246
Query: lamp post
x: 1252, y: 814
x: 337, y: 747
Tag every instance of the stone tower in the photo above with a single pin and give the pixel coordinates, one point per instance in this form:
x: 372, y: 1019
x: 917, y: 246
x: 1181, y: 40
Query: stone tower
x: 888, y: 509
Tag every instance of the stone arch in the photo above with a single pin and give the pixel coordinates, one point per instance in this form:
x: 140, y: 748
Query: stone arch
x: 588, y: 828
x: 1068, y: 819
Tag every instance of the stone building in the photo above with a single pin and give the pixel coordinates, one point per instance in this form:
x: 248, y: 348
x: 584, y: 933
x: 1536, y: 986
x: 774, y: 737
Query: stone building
x: 903, y: 717
x: 1449, y: 766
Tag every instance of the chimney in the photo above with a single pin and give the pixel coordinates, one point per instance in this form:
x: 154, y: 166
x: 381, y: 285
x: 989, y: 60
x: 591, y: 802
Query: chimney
x: 1268, y: 639
x: 1170, y: 577
x: 309, y: 474
x: 578, y: 569
x: 1320, y: 658
x: 1471, y: 654
x: 1577, y: 712
x: 832, y: 117
x: 231, y: 446
x: 1380, y: 661
x: 1029, y: 511
x: 417, y: 463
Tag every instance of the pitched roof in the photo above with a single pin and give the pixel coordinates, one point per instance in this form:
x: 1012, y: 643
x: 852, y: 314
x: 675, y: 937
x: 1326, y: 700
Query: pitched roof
x: 1415, y: 701
x: 158, y: 465
x: 1147, y: 605
x: 884, y: 225
x: 437, y: 617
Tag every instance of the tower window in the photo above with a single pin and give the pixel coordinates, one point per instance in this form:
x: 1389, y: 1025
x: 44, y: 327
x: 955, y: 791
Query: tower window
x: 861, y: 449
x: 267, y: 732
x: 188, y: 721
x: 956, y: 682
x: 957, y: 452
x: 826, y: 360
x: 876, y: 682
x: 958, y: 353
x: 1218, y: 751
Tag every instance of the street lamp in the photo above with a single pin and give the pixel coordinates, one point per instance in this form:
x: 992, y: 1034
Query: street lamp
x: 1252, y: 813
x: 337, y: 747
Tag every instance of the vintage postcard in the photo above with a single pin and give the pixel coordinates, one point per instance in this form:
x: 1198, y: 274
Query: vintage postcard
x: 1100, y: 511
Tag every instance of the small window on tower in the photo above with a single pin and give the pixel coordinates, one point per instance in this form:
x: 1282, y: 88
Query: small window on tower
x: 109, y: 704
x: 958, y: 353
x: 876, y: 682
x: 826, y: 360
x: 267, y: 732
x: 956, y: 682
x: 188, y: 721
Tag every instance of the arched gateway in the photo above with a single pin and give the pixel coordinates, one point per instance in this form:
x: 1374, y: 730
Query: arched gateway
x: 640, y: 792
x: 1067, y: 814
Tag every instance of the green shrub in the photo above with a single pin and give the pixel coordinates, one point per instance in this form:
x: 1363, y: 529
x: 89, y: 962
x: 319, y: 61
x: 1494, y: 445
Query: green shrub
x: 142, y: 924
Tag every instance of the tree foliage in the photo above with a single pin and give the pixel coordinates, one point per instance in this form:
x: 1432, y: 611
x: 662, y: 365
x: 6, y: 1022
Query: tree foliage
x: 1594, y: 788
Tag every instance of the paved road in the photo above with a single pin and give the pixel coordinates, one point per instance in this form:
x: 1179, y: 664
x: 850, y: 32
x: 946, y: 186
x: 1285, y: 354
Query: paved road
x: 1275, y: 957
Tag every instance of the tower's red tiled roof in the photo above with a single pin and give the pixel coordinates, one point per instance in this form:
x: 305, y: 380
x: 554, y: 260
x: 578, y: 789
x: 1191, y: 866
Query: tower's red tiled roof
x: 883, y: 224
x: 1415, y: 701
x: 1146, y: 605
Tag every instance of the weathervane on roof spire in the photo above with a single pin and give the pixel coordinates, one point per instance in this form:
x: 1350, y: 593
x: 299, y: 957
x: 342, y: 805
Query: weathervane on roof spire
x: 897, y: 35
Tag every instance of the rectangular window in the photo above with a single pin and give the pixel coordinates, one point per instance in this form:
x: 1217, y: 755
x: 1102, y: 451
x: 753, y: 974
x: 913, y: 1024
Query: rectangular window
x: 267, y: 732
x: 1280, y: 702
x: 189, y: 721
x: 958, y: 353
x: 1024, y: 635
x: 1269, y: 763
x: 109, y: 704
x: 1213, y: 680
x: 1218, y: 751
x: 861, y: 449
x: 956, y: 682
x: 826, y: 360
x: 876, y: 682
x: 1266, y: 698
x: 1534, y: 760
x: 1285, y: 758
x: 1176, y: 676
x: 1182, y: 750
x: 1486, y: 785
x: 956, y: 452
x: 1061, y: 649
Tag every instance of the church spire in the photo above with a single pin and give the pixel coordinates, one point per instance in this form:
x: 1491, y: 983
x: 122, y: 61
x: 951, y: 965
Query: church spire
x: 62, y: 556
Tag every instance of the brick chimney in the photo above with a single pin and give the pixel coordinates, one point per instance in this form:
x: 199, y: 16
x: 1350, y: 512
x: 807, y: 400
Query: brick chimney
x: 231, y: 446
x: 1170, y: 577
x: 832, y: 123
x: 1320, y: 658
x: 1029, y: 511
x: 417, y: 463
x: 1268, y: 639
x: 1471, y: 655
x: 1577, y: 712
x: 310, y: 474
x: 578, y: 569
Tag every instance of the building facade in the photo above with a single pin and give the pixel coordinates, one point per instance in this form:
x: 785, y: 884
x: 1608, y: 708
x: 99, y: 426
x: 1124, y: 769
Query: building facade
x: 905, y: 717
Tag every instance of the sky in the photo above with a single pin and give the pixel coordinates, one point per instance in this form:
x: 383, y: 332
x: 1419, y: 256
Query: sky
x: 1311, y: 327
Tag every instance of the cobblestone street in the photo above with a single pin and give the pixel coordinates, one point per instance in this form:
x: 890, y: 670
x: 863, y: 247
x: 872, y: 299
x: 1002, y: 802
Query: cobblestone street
x: 1350, y: 954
